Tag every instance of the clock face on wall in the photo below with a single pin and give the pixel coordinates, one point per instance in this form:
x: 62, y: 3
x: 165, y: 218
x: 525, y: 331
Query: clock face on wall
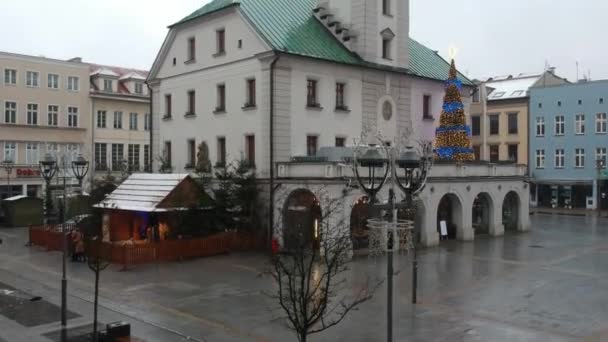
x: 387, y: 110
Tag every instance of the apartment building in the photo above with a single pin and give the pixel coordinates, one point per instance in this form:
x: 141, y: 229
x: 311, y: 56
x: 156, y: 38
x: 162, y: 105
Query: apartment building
x: 120, y: 127
x: 45, y: 109
x: 499, y: 116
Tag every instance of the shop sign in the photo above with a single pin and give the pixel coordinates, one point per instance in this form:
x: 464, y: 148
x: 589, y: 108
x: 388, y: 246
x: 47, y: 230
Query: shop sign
x: 28, y: 173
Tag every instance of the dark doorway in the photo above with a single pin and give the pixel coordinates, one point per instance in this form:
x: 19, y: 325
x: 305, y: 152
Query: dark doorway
x: 510, y: 211
x: 302, y: 220
x: 482, y: 214
x: 450, y: 211
x: 359, y: 232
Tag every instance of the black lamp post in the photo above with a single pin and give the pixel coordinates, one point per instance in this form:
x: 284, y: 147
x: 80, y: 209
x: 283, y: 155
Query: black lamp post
x: 80, y: 168
x: 48, y: 169
x: 373, y: 160
x: 415, y: 171
x: 8, y: 165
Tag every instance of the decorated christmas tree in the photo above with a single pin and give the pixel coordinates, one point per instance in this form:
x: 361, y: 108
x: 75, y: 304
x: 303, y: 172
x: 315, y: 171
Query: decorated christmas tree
x: 452, y: 136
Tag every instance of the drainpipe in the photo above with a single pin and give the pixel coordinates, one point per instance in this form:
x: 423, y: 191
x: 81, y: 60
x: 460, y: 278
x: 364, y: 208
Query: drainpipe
x: 150, y: 158
x: 92, y: 159
x: 271, y: 203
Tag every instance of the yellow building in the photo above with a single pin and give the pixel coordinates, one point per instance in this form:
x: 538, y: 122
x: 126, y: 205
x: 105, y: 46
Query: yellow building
x: 499, y: 116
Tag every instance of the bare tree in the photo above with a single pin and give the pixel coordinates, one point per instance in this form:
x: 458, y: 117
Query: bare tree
x: 313, y: 289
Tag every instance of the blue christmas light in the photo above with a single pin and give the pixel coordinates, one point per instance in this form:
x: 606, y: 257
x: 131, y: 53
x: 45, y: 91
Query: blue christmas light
x: 451, y: 107
x: 449, y: 152
x: 456, y: 82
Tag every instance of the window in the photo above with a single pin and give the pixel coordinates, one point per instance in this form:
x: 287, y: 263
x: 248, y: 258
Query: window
x: 386, y: 48
x: 147, y: 119
x: 221, y: 98
x: 73, y: 83
x: 600, y: 154
x: 251, y: 93
x: 477, y: 96
x: 118, y: 157
x: 540, y: 105
x: 139, y: 88
x: 494, y: 155
x: 10, y: 112
x: 512, y: 151
x: 72, y: 151
x: 101, y: 157
x: 494, y: 126
x: 72, y: 116
x: 191, y: 146
x: 221, y: 41
x: 311, y: 94
x: 426, y: 107
x: 250, y: 149
x: 386, y: 7
x: 32, y: 114
x: 133, y: 121
x: 517, y: 93
x: 53, y: 81
x: 475, y: 126
x: 600, y: 123
x: 240, y: 44
x: 191, y: 103
x: 118, y: 120
x: 579, y: 157
x: 53, y: 149
x: 10, y: 151
x: 559, y: 103
x: 498, y: 94
x: 52, y: 115
x: 601, y: 100
x: 133, y: 157
x: 580, y: 124
x: 31, y: 79
x: 221, y: 151
x: 101, y: 119
x: 477, y: 152
x: 340, y: 142
x: 387, y: 110
x: 540, y: 126
x: 512, y: 123
x: 107, y: 85
x: 167, y: 154
x: 31, y: 153
x: 559, y: 125
x: 559, y: 158
x: 311, y: 145
x: 168, y: 106
x: 10, y: 76
x: 147, y: 167
x: 540, y: 159
x: 191, y: 49
x: 580, y: 102
x: 340, y: 87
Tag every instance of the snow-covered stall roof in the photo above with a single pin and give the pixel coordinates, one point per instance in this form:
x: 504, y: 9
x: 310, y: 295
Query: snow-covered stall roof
x: 143, y: 192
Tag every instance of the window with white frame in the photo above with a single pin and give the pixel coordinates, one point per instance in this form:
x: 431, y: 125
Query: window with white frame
x: 107, y: 85
x: 32, y: 114
x: 101, y: 118
x: 600, y: 154
x: 53, y: 149
x: 540, y: 126
x: 72, y: 116
x: 31, y: 153
x: 52, y: 115
x: 73, y: 83
x: 540, y: 159
x: 139, y: 88
x: 147, y: 158
x: 147, y: 121
x: 72, y: 151
x: 579, y: 122
x: 101, y: 157
x: 600, y: 123
x: 10, y: 76
x: 117, y: 157
x: 53, y: 81
x: 32, y: 79
x: 133, y: 121
x: 559, y: 125
x: 559, y: 158
x: 10, y: 151
x: 118, y: 120
x: 579, y: 157
x: 133, y: 157
x: 10, y: 112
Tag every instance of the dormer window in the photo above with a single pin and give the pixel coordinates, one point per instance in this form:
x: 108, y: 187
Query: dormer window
x: 107, y: 85
x: 387, y: 40
x: 139, y: 88
x: 386, y: 7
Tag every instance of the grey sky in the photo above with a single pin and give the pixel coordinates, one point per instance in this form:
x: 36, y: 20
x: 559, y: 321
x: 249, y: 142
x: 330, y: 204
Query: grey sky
x: 492, y: 37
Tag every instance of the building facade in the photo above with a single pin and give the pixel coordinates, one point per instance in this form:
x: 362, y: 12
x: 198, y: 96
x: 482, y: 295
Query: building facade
x: 120, y: 125
x: 45, y: 109
x: 568, y: 139
x: 499, y: 116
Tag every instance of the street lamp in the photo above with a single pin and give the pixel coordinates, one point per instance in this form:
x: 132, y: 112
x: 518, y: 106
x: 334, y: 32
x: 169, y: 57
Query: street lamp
x: 80, y: 168
x: 8, y: 165
x: 48, y: 169
x: 373, y: 160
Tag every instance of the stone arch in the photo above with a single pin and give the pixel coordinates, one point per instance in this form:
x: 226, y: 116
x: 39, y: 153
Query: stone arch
x: 482, y: 213
x: 512, y: 211
x: 301, y: 219
x: 359, y: 232
x: 450, y: 208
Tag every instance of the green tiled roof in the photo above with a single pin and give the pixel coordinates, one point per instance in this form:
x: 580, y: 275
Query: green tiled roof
x: 294, y: 29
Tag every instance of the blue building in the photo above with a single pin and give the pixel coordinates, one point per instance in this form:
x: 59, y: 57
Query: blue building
x: 568, y: 141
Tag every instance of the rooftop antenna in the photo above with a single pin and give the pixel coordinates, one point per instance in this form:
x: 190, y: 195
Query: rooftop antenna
x: 576, y: 71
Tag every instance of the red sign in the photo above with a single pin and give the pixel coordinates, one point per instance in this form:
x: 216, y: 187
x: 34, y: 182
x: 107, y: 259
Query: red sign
x: 28, y: 173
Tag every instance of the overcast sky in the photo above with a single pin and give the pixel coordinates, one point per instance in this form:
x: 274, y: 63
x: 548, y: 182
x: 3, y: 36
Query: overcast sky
x: 492, y: 37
